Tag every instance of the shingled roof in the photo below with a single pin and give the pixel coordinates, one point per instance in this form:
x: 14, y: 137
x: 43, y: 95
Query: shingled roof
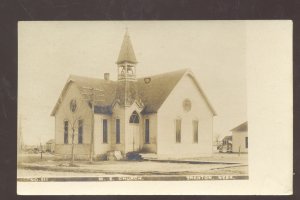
x: 126, y: 53
x: 152, y: 93
x: 105, y: 88
x: 241, y: 127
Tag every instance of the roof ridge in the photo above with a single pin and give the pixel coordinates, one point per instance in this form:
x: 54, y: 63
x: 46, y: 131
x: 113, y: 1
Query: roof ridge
x: 165, y: 73
x: 86, y: 77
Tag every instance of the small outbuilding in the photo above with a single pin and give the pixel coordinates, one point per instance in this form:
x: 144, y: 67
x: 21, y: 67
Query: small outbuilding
x: 240, y: 138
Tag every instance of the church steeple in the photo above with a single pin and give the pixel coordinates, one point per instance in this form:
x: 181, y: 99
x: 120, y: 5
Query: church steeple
x: 126, y: 53
x: 127, y: 83
x: 126, y: 61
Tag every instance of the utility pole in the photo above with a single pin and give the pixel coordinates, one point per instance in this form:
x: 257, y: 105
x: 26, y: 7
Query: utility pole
x: 92, y: 97
x: 92, y: 135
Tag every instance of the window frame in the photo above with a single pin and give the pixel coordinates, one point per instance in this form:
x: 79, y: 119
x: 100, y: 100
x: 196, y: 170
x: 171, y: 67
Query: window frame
x: 118, y: 131
x: 147, y: 131
x: 134, y: 118
x: 66, y: 132
x: 178, y: 131
x: 195, y: 131
x: 105, y: 131
x: 80, y: 133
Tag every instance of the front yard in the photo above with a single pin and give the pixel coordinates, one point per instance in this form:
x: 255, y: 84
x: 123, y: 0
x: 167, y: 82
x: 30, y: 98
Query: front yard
x: 222, y: 164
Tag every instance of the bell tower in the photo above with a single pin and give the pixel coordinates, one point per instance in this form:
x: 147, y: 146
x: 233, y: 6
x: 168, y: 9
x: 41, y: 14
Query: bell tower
x: 126, y: 63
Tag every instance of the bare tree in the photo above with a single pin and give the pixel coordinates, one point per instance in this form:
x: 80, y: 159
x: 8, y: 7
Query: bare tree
x: 217, y: 138
x: 74, y: 126
x: 77, y: 111
x: 74, y: 117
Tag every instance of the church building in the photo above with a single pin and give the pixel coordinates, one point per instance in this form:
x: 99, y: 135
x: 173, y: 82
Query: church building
x: 166, y: 114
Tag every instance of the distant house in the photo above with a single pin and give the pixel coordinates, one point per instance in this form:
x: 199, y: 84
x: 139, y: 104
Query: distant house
x: 166, y: 114
x: 240, y: 138
x: 50, y: 145
x: 216, y: 145
x: 226, y: 145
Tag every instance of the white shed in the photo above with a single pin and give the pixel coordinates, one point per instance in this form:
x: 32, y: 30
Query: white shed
x: 240, y: 138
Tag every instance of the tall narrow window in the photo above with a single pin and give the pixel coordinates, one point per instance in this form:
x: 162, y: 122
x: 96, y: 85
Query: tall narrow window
x: 178, y: 130
x: 147, y: 133
x: 80, y: 131
x: 118, y: 131
x: 66, y: 130
x: 195, y: 130
x: 246, y: 142
x: 104, y: 130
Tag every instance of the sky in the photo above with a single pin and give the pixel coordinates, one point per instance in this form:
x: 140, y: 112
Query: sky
x: 48, y: 52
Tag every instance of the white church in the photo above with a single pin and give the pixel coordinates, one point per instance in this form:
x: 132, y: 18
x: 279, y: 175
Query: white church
x: 166, y: 114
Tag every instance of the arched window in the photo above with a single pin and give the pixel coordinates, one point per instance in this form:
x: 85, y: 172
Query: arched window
x: 134, y: 118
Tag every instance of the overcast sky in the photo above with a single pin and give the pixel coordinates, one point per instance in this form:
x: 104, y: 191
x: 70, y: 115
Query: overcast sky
x: 50, y: 51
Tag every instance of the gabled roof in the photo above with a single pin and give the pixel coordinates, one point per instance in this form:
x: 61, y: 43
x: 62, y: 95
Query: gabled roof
x: 107, y: 88
x: 153, y: 94
x: 126, y: 53
x: 241, y: 127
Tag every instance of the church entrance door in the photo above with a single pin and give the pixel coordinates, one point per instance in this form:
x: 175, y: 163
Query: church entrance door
x: 135, y: 131
x: 135, y: 137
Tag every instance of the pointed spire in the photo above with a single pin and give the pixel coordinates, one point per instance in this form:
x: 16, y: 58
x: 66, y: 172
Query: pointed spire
x: 126, y: 53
